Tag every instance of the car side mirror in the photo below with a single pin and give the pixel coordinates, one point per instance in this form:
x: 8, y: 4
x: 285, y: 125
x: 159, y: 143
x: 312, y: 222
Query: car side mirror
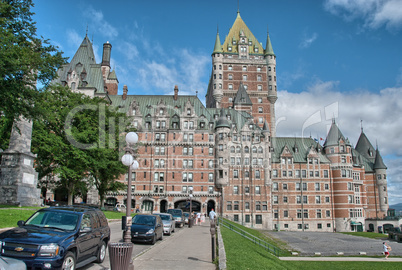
x: 85, y: 230
x: 20, y: 223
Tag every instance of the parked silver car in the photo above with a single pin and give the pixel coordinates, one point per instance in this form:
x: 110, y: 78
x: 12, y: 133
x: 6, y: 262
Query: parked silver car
x: 11, y: 264
x: 168, y: 223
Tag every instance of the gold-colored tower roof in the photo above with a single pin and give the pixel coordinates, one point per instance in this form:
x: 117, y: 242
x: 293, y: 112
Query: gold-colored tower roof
x: 240, y: 28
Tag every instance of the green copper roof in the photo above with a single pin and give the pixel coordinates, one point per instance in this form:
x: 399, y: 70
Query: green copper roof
x: 265, y: 127
x: 360, y: 160
x: 298, y: 147
x: 268, y: 47
x: 84, y: 59
x: 364, y: 147
x: 334, y: 135
x: 242, y: 98
x: 112, y: 76
x: 222, y: 121
x: 239, y: 27
x: 148, y: 103
x: 218, y: 46
x: 379, y: 163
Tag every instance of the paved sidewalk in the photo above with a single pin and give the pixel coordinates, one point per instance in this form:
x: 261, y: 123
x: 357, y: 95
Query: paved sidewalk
x: 189, y: 249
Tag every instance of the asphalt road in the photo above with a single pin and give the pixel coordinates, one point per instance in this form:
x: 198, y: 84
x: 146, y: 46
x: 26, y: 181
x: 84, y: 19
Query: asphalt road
x: 329, y: 244
x: 116, y: 236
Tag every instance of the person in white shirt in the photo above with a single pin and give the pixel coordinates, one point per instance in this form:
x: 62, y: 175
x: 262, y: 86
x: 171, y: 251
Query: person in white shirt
x: 212, y: 215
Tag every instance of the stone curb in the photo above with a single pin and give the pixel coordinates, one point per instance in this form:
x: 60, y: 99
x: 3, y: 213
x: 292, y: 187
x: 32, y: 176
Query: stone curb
x: 221, y: 250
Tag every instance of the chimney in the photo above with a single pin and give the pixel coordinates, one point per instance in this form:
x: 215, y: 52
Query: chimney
x: 176, y: 92
x: 125, y: 90
x: 107, y: 50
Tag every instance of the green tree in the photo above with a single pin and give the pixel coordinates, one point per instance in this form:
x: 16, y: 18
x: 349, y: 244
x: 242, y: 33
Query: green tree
x: 105, y: 167
x: 70, y: 141
x: 25, y: 59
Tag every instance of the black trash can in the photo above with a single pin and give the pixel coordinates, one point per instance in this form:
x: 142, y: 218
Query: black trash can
x: 190, y: 222
x: 120, y: 255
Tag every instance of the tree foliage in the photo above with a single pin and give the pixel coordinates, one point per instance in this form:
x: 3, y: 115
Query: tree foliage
x: 25, y: 59
x: 70, y: 141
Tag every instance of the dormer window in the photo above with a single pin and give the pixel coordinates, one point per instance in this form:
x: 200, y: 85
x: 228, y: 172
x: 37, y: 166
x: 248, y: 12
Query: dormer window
x: 188, y: 111
x: 160, y: 111
x: 133, y: 112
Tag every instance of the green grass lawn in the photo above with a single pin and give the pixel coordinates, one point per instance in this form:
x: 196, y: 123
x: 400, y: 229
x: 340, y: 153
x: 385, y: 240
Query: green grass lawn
x: 10, y: 216
x: 243, y: 254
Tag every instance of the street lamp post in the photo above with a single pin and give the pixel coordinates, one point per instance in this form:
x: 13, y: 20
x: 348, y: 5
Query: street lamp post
x: 190, y: 219
x: 128, y: 160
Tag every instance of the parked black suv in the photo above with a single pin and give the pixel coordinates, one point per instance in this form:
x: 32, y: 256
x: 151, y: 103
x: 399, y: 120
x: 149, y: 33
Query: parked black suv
x: 64, y: 237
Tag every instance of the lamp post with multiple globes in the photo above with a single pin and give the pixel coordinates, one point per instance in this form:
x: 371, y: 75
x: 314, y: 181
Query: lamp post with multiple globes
x: 128, y: 160
x: 190, y: 219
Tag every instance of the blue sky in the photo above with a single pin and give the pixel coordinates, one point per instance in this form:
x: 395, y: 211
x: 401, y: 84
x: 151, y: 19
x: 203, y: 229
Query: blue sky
x: 335, y: 58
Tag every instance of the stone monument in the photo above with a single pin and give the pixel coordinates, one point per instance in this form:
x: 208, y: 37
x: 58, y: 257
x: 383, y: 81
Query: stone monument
x: 18, y: 179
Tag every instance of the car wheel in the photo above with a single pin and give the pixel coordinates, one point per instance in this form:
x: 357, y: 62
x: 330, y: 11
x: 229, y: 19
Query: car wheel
x: 153, y: 240
x: 101, y: 252
x: 69, y: 261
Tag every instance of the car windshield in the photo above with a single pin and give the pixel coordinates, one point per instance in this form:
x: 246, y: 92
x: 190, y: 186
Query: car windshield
x: 56, y: 220
x: 144, y: 220
x: 186, y: 214
x: 165, y: 217
x: 175, y: 212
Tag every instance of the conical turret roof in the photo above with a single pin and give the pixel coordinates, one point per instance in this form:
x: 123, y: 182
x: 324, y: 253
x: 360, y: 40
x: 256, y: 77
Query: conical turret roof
x: 218, y: 46
x: 379, y: 163
x: 364, y: 147
x: 222, y: 120
x: 334, y: 135
x: 268, y: 48
x: 265, y: 127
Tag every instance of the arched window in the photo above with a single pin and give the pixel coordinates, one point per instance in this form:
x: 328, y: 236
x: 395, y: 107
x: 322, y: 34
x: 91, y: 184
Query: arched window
x: 246, y: 149
x: 254, y: 149
x: 260, y: 150
x: 238, y: 149
x: 73, y: 86
x: 232, y: 149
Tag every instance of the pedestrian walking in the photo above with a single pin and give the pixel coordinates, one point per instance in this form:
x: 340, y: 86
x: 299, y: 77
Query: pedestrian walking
x: 199, y: 218
x: 387, y: 249
x: 212, y: 215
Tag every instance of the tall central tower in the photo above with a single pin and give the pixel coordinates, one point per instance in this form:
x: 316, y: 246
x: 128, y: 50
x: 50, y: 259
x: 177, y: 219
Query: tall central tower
x: 244, y: 75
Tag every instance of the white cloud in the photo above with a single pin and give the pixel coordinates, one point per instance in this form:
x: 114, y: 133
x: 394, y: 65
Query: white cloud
x: 99, y: 23
x: 129, y: 50
x: 308, y: 40
x: 74, y: 39
x: 394, y: 180
x: 374, y: 13
x: 311, y: 113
